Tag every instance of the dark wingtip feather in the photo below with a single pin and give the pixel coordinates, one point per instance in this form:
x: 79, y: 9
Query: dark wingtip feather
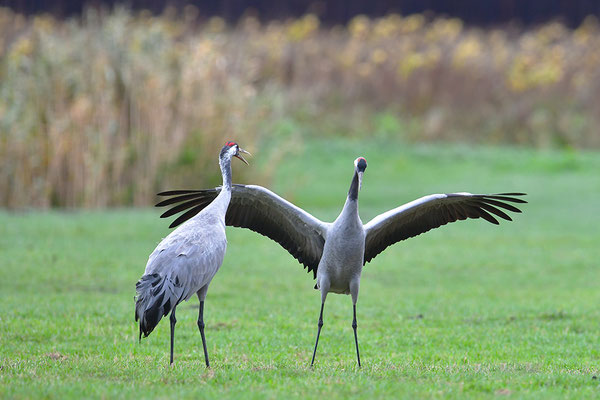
x: 163, y: 203
x: 498, y: 203
x: 187, y: 215
x: 170, y: 201
x: 177, y: 192
x: 185, y: 205
x: 495, y: 211
x: 198, y: 195
x: 505, y: 198
x: 485, y: 215
x: 163, y: 215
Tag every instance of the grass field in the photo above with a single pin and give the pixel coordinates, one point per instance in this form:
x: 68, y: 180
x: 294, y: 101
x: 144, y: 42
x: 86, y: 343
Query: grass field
x: 470, y: 309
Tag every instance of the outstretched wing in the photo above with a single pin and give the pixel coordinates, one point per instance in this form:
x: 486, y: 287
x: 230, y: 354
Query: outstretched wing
x: 432, y: 211
x: 262, y: 211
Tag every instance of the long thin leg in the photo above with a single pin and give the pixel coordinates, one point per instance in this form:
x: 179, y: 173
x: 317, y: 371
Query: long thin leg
x: 173, y: 322
x: 201, y: 327
x: 354, y: 325
x: 318, y: 333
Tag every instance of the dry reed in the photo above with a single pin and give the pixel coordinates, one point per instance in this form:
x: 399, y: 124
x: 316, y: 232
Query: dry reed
x: 107, y: 109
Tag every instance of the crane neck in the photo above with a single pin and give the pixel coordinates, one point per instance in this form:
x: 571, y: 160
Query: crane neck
x: 353, y: 192
x: 225, y: 164
x: 351, y: 205
x: 220, y: 204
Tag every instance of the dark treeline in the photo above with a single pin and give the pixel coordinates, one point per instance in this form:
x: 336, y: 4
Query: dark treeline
x: 475, y: 12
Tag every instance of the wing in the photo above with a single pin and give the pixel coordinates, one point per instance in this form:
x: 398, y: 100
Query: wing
x: 261, y: 211
x: 432, y: 211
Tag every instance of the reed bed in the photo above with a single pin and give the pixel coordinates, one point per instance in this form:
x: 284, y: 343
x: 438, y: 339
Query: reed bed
x: 108, y: 108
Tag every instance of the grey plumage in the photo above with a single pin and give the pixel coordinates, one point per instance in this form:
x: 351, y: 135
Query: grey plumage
x: 184, y: 263
x: 336, y: 252
x: 156, y: 296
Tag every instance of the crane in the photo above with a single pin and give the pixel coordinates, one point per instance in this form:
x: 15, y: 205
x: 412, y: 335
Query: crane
x: 186, y: 260
x: 336, y: 252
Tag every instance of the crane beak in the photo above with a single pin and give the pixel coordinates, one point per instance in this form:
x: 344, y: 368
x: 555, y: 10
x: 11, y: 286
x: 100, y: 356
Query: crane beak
x: 360, y: 175
x: 238, y: 155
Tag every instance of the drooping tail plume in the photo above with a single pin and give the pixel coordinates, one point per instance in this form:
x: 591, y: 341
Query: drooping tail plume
x: 156, y: 296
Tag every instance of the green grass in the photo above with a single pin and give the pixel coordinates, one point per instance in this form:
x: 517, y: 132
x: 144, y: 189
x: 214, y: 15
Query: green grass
x: 470, y: 309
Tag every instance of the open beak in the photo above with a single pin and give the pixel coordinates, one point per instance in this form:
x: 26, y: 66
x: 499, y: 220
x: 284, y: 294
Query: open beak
x: 238, y: 155
x: 360, y: 174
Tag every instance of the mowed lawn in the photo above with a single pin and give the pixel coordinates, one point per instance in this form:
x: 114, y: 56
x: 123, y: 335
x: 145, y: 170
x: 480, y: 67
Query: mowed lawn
x: 469, y: 309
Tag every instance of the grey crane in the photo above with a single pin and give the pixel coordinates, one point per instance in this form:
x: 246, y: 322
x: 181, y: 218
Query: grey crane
x: 186, y: 260
x: 336, y: 252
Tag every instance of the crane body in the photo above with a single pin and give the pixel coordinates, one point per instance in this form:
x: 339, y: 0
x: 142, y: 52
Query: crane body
x: 185, y: 262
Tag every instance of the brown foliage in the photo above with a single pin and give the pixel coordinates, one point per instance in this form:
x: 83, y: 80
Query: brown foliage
x: 109, y: 109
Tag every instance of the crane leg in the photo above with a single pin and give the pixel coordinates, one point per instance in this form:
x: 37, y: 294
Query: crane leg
x: 354, y: 325
x: 320, y: 325
x: 201, y: 328
x: 173, y: 322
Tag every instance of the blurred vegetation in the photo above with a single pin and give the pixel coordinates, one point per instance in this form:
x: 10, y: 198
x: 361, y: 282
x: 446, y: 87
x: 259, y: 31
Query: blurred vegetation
x: 109, y: 108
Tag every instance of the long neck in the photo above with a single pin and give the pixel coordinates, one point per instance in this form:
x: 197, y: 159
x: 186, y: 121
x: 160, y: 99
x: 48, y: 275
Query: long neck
x: 353, y: 192
x: 221, y: 203
x: 225, y: 165
x: 351, y: 205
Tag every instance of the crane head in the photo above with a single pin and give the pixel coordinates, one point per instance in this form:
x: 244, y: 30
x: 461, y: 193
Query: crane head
x: 234, y: 150
x: 360, y: 164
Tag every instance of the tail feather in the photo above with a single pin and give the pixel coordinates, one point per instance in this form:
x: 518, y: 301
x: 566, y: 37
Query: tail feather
x: 156, y: 295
